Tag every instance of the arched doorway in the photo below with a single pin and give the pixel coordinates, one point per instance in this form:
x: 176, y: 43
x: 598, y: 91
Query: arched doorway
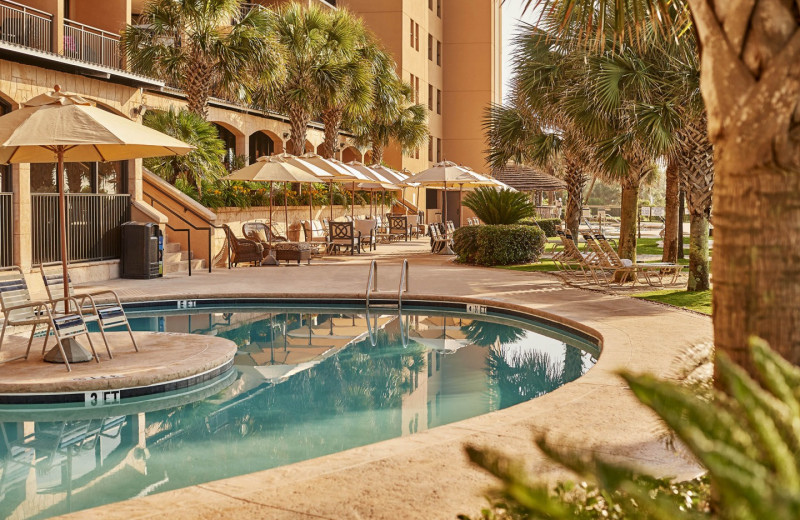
x: 290, y: 148
x: 260, y: 144
x: 229, y: 138
x: 351, y: 153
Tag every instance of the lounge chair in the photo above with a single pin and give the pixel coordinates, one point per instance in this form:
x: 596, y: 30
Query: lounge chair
x: 650, y: 270
x: 107, y: 315
x: 19, y: 309
x: 574, y: 262
x: 369, y: 236
x: 620, y: 271
x: 314, y: 232
x: 438, y: 240
x: 243, y: 249
x: 344, y: 234
x: 260, y: 232
x: 413, y: 225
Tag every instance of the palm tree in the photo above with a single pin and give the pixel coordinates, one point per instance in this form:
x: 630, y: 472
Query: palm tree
x: 350, y: 96
x: 320, y: 47
x: 205, y: 47
x: 499, y: 207
x: 393, y: 114
x: 204, y: 163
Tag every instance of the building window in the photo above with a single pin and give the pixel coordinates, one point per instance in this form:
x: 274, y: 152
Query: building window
x: 430, y: 147
x: 438, y: 101
x: 260, y: 145
x: 416, y: 90
x: 430, y: 5
x: 411, y: 41
x: 438, y: 150
x: 430, y: 98
x: 438, y: 52
x: 416, y: 36
x: 416, y: 152
x: 430, y: 47
x: 81, y: 177
x: 439, y: 8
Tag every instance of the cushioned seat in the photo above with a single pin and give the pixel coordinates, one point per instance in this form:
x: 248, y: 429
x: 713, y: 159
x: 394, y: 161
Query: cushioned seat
x: 293, y: 251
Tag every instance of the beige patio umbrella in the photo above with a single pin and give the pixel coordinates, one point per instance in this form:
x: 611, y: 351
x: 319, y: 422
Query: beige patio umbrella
x: 273, y: 169
x: 60, y: 127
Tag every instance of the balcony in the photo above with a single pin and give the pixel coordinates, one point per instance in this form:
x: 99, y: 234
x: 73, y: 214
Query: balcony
x: 26, y: 26
x: 87, y: 43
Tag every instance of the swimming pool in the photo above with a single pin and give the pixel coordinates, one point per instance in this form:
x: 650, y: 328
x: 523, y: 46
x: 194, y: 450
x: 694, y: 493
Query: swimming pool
x: 308, y: 381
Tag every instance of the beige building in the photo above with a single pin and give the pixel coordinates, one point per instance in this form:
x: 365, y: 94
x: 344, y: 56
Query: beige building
x: 448, y: 49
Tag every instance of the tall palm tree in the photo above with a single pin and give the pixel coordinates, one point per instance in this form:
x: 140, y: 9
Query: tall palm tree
x: 393, y: 114
x: 319, y: 47
x: 205, y: 47
x: 350, y: 96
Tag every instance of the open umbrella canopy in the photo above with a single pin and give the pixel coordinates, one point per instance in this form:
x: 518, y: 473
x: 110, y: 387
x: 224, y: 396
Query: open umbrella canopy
x: 305, y: 166
x: 393, y: 175
x: 446, y: 172
x: 83, y: 131
x: 272, y: 169
x: 372, y: 174
x: 337, y: 172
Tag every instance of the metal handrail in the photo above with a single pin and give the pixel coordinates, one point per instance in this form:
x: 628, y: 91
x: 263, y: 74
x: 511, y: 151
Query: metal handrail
x: 189, y: 243
x: 208, y: 229
x: 372, y: 279
x: 403, y: 279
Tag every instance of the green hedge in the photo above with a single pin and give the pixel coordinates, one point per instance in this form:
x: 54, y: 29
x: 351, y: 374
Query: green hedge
x: 498, y: 245
x: 548, y: 225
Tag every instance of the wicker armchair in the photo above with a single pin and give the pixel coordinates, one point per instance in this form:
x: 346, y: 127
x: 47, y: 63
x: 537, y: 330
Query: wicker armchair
x: 243, y: 249
x: 260, y: 232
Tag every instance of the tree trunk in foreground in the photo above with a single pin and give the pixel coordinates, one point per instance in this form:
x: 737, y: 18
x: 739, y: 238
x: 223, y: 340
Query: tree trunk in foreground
x: 751, y: 83
x: 575, y: 181
x: 671, y: 208
x: 628, y: 219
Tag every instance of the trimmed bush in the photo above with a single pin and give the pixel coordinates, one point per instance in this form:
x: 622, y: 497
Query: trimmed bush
x: 502, y: 206
x: 548, y: 225
x: 498, y: 245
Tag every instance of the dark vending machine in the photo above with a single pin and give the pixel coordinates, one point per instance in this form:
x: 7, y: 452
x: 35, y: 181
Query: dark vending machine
x: 142, y: 250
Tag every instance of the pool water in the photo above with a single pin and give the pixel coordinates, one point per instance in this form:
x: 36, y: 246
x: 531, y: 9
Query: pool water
x: 307, y: 382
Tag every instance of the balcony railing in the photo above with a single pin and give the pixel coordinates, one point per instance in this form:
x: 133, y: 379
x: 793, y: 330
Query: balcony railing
x: 26, y: 26
x: 6, y: 240
x: 93, y: 226
x: 91, y: 44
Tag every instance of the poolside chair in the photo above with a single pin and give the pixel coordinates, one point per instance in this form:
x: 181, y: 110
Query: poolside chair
x: 398, y: 227
x: 314, y: 231
x: 344, y: 234
x: 243, y: 249
x: 107, y: 315
x: 413, y: 225
x: 438, y: 240
x: 20, y: 310
x: 620, y: 271
x: 574, y: 262
x: 369, y: 236
x: 650, y: 271
x: 260, y: 232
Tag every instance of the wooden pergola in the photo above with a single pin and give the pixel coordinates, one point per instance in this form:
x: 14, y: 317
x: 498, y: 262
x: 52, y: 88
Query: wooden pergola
x: 532, y: 180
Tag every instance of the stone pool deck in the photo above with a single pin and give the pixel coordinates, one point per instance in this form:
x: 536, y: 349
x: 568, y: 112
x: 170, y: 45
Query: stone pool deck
x: 426, y: 475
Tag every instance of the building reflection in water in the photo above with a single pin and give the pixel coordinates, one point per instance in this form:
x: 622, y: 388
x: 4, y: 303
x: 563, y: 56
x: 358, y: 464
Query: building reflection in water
x: 307, y: 384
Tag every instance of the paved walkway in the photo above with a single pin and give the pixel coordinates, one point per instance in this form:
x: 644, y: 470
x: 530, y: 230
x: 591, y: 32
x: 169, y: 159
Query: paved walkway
x: 427, y: 475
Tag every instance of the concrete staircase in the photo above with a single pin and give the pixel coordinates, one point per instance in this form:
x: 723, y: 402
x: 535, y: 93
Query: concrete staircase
x: 176, y: 260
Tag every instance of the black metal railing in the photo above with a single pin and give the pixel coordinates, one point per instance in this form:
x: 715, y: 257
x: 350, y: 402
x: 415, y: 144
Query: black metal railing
x: 26, y: 26
x: 6, y: 230
x: 93, y: 226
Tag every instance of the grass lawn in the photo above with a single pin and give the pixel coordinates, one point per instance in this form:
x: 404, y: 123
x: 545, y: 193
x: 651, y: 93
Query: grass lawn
x: 699, y: 301
x: 545, y: 265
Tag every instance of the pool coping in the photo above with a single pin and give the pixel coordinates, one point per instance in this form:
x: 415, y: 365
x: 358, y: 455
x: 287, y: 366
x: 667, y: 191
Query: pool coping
x: 244, y: 493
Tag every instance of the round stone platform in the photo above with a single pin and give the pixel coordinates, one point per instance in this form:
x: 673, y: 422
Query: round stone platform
x: 166, y: 361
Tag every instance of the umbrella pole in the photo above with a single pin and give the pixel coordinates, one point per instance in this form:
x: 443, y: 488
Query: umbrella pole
x: 72, y: 349
x: 270, y: 259
x: 286, y: 208
x: 330, y: 194
x: 446, y: 250
x: 353, y: 205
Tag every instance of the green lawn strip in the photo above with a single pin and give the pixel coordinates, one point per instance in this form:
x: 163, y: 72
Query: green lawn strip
x: 699, y: 301
x: 544, y: 266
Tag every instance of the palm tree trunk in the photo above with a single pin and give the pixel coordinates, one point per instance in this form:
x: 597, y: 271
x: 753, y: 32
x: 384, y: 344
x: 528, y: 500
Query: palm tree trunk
x: 197, y: 86
x: 299, y: 118
x: 332, y: 119
x: 628, y: 217
x: 377, y: 153
x: 698, y: 253
x: 575, y: 181
x: 751, y: 83
x: 672, y: 206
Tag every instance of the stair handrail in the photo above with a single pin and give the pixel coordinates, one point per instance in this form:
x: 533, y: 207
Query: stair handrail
x: 372, y: 279
x: 196, y: 228
x: 188, y: 241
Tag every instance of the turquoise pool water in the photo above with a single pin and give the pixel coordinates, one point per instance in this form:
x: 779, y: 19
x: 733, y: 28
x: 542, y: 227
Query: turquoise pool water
x: 307, y: 382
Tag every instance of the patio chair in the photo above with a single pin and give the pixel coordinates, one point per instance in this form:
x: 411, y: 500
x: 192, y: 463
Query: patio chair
x: 398, y: 227
x: 243, y: 249
x: 260, y: 232
x: 438, y: 240
x: 450, y: 227
x: 413, y: 225
x: 344, y: 234
x: 20, y: 310
x: 107, y: 315
x: 572, y: 261
x: 620, y: 272
x: 314, y: 231
x: 369, y: 236
x: 658, y: 270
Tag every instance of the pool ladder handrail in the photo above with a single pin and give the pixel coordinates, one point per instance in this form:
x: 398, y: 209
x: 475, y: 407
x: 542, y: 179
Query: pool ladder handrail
x: 372, y: 281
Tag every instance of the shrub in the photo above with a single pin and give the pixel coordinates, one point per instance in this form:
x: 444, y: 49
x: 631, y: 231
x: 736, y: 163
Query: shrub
x: 499, y: 206
x: 548, y: 225
x: 498, y: 245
